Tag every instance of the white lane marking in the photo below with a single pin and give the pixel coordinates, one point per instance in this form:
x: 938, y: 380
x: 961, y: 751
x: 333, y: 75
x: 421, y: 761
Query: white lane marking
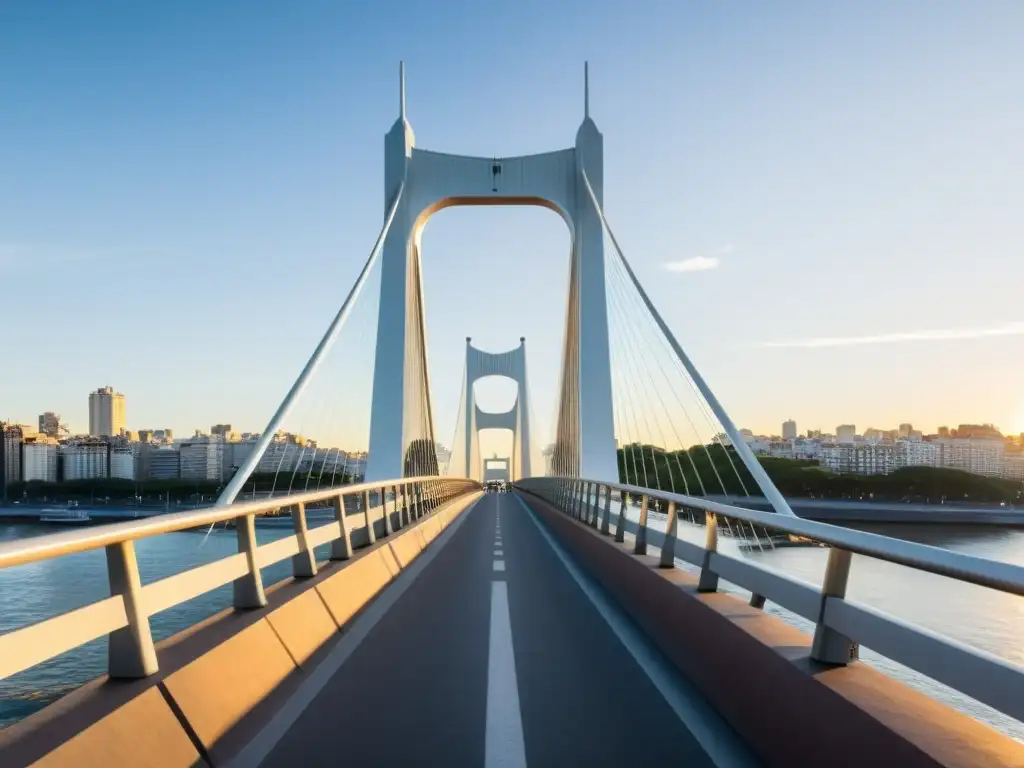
x: 499, y: 565
x: 498, y: 553
x: 715, y: 736
x: 503, y: 741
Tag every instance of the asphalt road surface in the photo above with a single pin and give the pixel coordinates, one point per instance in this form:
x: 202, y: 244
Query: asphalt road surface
x: 495, y: 655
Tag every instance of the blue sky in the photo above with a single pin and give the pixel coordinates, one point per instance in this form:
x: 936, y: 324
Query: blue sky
x: 187, y: 191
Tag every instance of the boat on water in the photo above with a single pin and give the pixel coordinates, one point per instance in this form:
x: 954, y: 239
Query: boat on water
x: 71, y: 514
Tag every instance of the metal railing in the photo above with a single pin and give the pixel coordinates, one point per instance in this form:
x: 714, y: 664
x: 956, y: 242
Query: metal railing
x: 840, y: 625
x: 124, y: 616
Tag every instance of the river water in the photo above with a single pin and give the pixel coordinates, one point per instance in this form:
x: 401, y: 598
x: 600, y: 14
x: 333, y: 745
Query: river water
x: 983, y: 618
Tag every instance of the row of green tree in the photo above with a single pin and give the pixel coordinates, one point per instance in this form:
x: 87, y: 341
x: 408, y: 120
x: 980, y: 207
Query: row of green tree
x: 717, y: 469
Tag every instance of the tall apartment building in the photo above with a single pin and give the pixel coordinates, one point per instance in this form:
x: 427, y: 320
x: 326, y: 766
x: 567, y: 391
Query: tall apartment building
x: 983, y: 456
x: 846, y: 433
x: 1013, y: 466
x: 106, y: 412
x: 873, y: 458
x: 122, y: 463
x: 162, y: 462
x: 87, y: 460
x: 49, y: 424
x: 860, y: 458
x: 11, y: 438
x: 789, y: 430
x: 202, y: 457
x: 39, y: 459
x: 916, y: 453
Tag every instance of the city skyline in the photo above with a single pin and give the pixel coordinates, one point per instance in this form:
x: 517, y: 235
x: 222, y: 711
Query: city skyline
x: 229, y: 426
x: 843, y: 175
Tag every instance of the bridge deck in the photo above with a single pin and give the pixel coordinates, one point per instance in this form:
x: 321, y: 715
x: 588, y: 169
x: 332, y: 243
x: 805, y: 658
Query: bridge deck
x: 436, y: 680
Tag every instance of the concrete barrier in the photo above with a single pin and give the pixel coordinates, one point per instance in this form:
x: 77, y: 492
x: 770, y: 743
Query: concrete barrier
x: 755, y: 670
x: 222, y: 679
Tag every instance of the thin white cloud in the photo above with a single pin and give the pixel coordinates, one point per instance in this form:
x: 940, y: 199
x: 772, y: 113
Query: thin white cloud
x: 696, y: 264
x: 947, y: 334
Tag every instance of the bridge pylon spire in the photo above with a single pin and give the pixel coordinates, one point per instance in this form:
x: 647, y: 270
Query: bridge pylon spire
x: 586, y: 89
x: 401, y: 90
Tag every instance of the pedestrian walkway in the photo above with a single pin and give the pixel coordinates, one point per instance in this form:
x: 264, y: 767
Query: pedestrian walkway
x: 496, y: 655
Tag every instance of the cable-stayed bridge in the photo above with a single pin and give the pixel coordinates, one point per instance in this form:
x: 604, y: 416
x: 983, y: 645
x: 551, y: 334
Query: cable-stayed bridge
x: 590, y: 617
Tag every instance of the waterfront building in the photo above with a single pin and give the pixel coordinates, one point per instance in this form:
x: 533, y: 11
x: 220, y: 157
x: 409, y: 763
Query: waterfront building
x: 916, y: 453
x: 202, y: 457
x: 85, y: 460
x: 122, y: 463
x: 983, y: 456
x: 49, y: 424
x: 789, y: 430
x: 860, y: 458
x: 11, y: 438
x: 106, y: 412
x: 1013, y: 467
x: 39, y: 459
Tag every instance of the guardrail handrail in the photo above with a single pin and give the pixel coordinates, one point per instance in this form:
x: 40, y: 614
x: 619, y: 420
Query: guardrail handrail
x: 69, y: 542
x: 840, y: 625
x: 124, y: 616
x: 1005, y: 577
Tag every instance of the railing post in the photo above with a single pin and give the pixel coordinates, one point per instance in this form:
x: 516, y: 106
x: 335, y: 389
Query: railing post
x: 371, y: 537
x: 708, y: 581
x: 578, y: 509
x: 620, y: 527
x: 397, y: 510
x: 830, y: 646
x: 388, y: 530
x: 594, y: 509
x: 130, y: 652
x: 304, y: 563
x: 584, y: 498
x: 607, y: 510
x: 341, y: 548
x: 248, y: 589
x: 668, y: 549
x: 640, y: 546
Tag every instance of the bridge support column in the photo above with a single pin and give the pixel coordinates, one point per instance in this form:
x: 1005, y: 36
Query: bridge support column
x: 248, y: 589
x: 640, y: 547
x: 668, y: 549
x: 369, y: 520
x: 830, y: 646
x: 304, y: 563
x: 607, y: 511
x: 130, y: 652
x: 620, y: 527
x: 341, y: 548
x: 708, y: 581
